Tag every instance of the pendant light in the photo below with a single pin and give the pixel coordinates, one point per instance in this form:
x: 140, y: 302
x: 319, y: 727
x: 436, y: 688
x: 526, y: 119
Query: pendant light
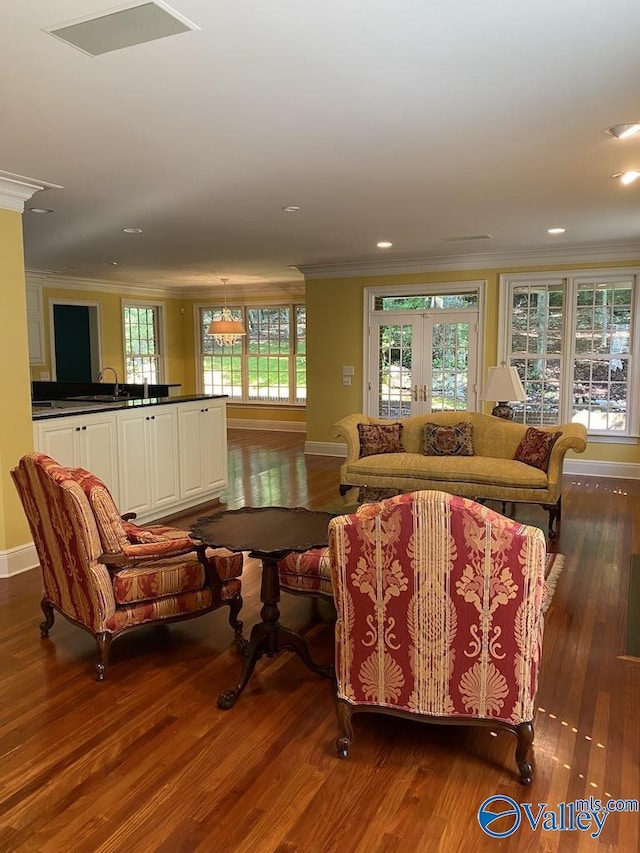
x: 227, y: 330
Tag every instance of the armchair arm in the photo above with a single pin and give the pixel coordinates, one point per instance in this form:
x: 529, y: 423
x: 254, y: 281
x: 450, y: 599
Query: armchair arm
x: 131, y: 555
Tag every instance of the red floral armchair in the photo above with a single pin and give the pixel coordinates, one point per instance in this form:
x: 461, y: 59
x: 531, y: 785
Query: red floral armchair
x: 439, y: 615
x: 107, y: 575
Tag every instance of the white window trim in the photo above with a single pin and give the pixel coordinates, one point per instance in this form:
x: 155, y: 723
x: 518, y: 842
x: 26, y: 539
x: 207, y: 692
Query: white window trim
x: 447, y: 288
x: 572, y: 277
x: 162, y: 334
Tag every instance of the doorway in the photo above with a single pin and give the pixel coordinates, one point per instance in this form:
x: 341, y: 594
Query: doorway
x: 75, y: 340
x: 423, y: 350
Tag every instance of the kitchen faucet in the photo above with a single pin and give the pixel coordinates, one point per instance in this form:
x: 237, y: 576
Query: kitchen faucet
x: 115, y: 376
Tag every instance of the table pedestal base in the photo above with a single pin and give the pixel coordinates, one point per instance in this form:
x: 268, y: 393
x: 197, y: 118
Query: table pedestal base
x: 269, y: 637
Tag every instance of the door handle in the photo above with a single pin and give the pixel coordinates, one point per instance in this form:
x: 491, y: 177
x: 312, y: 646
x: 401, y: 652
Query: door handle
x: 424, y: 393
x: 415, y: 393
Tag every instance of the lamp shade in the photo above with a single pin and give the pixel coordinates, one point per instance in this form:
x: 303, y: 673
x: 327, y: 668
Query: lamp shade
x: 503, y: 384
x: 226, y: 327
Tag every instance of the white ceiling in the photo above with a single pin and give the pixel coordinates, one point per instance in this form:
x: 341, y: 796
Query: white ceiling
x: 411, y: 121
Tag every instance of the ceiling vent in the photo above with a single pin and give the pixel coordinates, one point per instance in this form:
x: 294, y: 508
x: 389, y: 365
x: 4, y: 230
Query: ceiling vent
x: 122, y: 27
x: 470, y: 237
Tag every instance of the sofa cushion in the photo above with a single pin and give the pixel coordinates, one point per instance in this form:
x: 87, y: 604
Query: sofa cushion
x: 483, y: 470
x: 535, y: 448
x: 380, y: 438
x: 454, y: 440
x: 158, y: 578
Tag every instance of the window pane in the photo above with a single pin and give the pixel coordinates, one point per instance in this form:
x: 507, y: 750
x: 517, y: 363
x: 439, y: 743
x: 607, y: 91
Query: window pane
x: 541, y: 380
x: 416, y: 303
x: 600, y: 393
x: 394, y: 369
x: 141, y: 344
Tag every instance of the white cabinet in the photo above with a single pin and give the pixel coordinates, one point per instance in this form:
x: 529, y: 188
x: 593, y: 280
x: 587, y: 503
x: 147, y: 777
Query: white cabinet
x: 202, y: 429
x: 148, y: 442
x: 83, y: 441
x: 35, y: 328
x: 156, y: 460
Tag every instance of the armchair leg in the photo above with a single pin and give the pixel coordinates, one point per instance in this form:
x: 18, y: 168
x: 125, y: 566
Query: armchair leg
x: 235, y: 606
x: 525, y: 739
x: 345, y: 728
x: 49, y: 616
x: 343, y: 489
x: 103, y: 640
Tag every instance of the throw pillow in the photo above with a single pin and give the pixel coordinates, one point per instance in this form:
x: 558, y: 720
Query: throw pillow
x: 454, y: 440
x: 380, y: 438
x: 535, y: 448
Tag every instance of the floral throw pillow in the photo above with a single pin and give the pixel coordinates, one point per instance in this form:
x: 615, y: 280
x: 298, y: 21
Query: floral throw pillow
x: 454, y: 440
x: 380, y: 438
x: 535, y: 448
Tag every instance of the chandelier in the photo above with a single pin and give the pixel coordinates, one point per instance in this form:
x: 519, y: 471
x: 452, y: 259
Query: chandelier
x: 227, y: 330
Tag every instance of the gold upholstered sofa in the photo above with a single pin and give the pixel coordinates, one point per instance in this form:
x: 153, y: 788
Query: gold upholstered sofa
x: 465, y: 453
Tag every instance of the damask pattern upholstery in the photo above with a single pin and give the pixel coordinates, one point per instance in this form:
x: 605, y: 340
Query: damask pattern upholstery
x: 439, y: 603
x: 306, y: 573
x: 160, y: 580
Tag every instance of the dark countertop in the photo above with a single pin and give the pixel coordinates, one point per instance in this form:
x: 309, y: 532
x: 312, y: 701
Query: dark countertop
x: 46, y: 409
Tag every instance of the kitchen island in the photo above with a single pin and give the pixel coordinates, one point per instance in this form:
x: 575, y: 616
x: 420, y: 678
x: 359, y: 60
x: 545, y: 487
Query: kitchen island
x: 158, y: 455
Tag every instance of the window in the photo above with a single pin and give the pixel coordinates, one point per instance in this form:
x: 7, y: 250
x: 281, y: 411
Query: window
x: 573, y: 339
x: 266, y: 366
x: 142, y: 359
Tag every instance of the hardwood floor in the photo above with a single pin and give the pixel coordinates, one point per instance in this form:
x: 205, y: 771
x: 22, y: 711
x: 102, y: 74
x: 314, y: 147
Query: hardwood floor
x: 146, y: 762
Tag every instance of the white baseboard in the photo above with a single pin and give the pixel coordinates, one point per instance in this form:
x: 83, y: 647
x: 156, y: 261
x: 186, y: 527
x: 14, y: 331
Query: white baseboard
x: 325, y: 448
x: 592, y: 468
x: 275, y: 426
x: 18, y: 560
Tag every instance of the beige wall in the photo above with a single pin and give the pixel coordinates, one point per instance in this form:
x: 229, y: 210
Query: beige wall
x: 16, y: 435
x: 335, y: 309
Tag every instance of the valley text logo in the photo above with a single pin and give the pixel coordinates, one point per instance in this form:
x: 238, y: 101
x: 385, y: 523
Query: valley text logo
x: 500, y: 816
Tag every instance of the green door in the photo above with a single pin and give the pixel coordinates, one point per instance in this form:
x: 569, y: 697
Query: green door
x: 72, y: 338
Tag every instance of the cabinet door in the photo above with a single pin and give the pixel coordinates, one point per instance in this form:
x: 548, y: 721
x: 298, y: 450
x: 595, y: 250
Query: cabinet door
x: 59, y: 439
x: 163, y: 455
x: 190, y: 419
x: 98, y: 447
x: 135, y: 482
x: 213, y: 441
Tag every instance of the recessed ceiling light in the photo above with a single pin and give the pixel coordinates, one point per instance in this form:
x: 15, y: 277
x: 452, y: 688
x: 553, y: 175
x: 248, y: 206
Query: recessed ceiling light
x: 132, y: 230
x: 384, y: 244
x: 622, y: 131
x: 627, y: 177
x: 40, y: 210
x: 291, y: 208
x: 113, y: 263
x: 556, y: 230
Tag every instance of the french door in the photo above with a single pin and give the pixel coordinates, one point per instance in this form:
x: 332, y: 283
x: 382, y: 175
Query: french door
x: 422, y: 361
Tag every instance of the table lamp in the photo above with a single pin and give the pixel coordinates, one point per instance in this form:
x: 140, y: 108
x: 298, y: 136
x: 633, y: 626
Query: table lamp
x: 503, y: 384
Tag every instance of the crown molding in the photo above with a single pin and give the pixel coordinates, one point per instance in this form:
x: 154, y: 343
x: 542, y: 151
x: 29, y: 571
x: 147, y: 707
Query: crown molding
x: 16, y: 189
x: 605, y: 252
x: 283, y: 291
x: 54, y: 280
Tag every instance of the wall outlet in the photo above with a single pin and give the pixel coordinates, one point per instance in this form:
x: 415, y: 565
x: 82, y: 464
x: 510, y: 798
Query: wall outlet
x: 346, y: 381
x: 45, y: 376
